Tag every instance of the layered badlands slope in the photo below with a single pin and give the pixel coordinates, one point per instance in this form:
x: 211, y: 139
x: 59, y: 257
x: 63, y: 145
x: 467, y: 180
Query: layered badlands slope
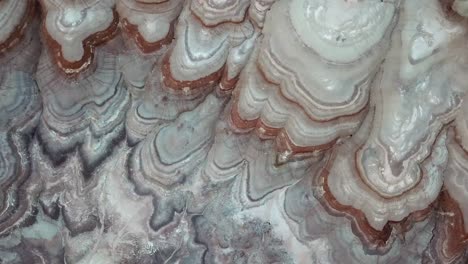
x: 233, y: 131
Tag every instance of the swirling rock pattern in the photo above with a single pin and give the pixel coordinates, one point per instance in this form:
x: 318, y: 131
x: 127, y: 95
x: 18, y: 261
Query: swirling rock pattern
x: 14, y: 26
x: 312, y: 88
x: 150, y: 25
x: 20, y: 108
x: 87, y: 113
x: 148, y: 28
x: 233, y: 131
x: 213, y: 42
x: 72, y: 29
